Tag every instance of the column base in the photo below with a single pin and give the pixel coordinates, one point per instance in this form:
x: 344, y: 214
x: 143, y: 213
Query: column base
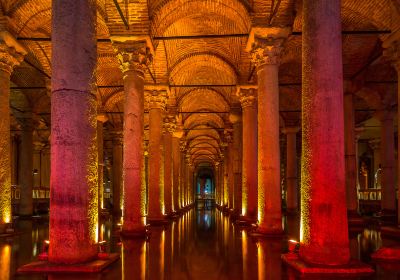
x: 96, y: 265
x: 353, y: 268
x: 387, y: 254
x: 245, y: 221
x: 266, y: 232
x: 137, y: 233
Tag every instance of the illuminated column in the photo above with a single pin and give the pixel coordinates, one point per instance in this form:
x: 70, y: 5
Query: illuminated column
x: 169, y: 126
x: 388, y: 201
x: 117, y: 150
x: 350, y: 155
x: 157, y: 103
x: 216, y: 186
x: 73, y: 183
x: 265, y: 45
x: 225, y: 164
x: 392, y: 51
x: 176, y: 157
x: 375, y: 145
x: 11, y: 54
x: 101, y: 119
x: 133, y: 56
x: 237, y: 162
x: 182, y: 183
x: 291, y: 169
x: 247, y: 97
x: 323, y: 187
x: 25, y: 167
x: 230, y: 162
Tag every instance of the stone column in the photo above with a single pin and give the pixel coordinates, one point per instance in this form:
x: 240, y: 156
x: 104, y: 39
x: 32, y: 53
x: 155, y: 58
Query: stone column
x: 392, y: 51
x: 117, y: 150
x: 237, y: 162
x: 73, y: 229
x: 375, y: 145
x: 323, y: 187
x: 25, y: 167
x: 247, y: 97
x: 157, y: 103
x: 176, y: 166
x: 388, y: 201
x: 230, y: 162
x: 182, y: 177
x: 169, y: 126
x: 292, y: 190
x: 350, y: 156
x: 266, y: 45
x: 133, y: 56
x: 101, y: 119
x: 11, y: 54
x: 216, y: 186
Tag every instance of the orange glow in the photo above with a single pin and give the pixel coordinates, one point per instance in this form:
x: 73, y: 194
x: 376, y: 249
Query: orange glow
x: 261, y: 262
x: 244, y: 251
x: 5, y: 259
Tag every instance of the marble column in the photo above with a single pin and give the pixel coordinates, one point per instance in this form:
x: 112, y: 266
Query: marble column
x: 266, y: 46
x: 11, y: 54
x: 101, y: 119
x: 323, y: 187
x: 182, y: 177
x: 177, y: 135
x: 73, y: 231
x: 350, y: 155
x: 247, y: 97
x: 237, y: 162
x: 133, y: 56
x: 392, y: 51
x: 25, y: 167
x: 230, y: 163
x: 388, y: 201
x: 117, y: 151
x: 216, y: 186
x: 157, y: 103
x: 292, y: 189
x: 169, y: 126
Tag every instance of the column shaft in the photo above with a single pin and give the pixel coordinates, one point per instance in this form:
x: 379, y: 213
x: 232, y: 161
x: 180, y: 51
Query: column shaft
x: 176, y: 168
x: 323, y: 189
x: 292, y: 191
x: 117, y: 151
x: 237, y: 168
x: 74, y: 189
x: 168, y: 161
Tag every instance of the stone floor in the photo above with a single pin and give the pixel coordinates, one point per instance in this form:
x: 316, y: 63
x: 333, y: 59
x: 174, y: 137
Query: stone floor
x: 202, y: 244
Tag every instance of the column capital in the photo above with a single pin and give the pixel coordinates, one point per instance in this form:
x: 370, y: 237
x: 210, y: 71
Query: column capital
x: 11, y: 52
x: 228, y: 135
x: 265, y: 44
x: 170, y: 123
x: 157, y: 97
x: 291, y: 130
x: 375, y: 143
x: 182, y: 145
x: 247, y: 95
x: 102, y: 117
x: 392, y: 49
x: 132, y: 55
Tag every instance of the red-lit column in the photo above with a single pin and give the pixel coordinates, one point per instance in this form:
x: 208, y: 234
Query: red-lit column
x: 73, y: 228
x: 101, y: 119
x: 292, y: 191
x: 169, y: 126
x: 11, y: 54
x: 25, y: 167
x: 133, y: 57
x: 266, y: 46
x: 247, y: 97
x: 388, y: 201
x: 176, y: 166
x: 392, y: 51
x: 117, y: 151
x: 157, y: 103
x: 323, y: 187
x: 350, y: 155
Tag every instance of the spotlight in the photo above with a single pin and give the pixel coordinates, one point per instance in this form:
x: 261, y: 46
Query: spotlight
x: 293, y: 246
x: 44, y: 255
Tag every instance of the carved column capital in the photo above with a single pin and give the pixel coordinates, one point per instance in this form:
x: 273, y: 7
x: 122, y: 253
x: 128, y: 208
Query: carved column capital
x: 265, y: 44
x: 170, y: 124
x: 102, y: 117
x: 157, y: 99
x: 11, y: 52
x: 133, y: 56
x: 247, y: 95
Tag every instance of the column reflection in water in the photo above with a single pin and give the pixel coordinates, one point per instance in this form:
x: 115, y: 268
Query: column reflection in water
x: 5, y: 261
x: 133, y: 256
x: 156, y: 253
x: 249, y: 256
x: 269, y: 259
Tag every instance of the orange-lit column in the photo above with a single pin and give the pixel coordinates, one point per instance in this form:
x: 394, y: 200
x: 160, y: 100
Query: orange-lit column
x: 157, y: 103
x: 216, y: 176
x: 237, y: 162
x: 392, y: 51
x: 169, y: 126
x: 133, y: 57
x: 247, y: 97
x: 182, y: 177
x: 292, y: 191
x: 25, y: 167
x: 101, y: 119
x: 73, y: 228
x: 323, y: 189
x: 176, y: 157
x: 230, y: 163
x: 117, y: 151
x: 11, y: 54
x: 266, y: 45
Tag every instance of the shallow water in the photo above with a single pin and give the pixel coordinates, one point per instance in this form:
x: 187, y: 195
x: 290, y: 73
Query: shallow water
x: 202, y: 244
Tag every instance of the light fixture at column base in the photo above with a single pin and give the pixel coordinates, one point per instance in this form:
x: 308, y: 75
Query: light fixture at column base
x: 95, y: 265
x: 353, y: 268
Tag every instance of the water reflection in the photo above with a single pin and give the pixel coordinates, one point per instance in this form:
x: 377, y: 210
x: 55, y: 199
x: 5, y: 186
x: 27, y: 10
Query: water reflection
x: 202, y: 244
